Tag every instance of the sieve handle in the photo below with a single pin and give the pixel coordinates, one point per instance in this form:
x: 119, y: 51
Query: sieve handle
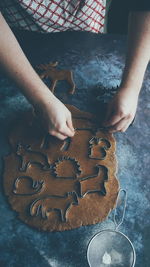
x: 117, y: 224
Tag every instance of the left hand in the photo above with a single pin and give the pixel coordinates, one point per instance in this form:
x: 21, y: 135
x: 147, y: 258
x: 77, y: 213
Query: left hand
x: 121, y: 110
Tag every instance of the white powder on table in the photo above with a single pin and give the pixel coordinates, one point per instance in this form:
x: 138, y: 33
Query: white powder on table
x: 106, y: 258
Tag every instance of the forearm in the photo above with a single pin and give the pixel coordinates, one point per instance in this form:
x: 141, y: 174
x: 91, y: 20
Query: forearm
x: 138, y: 54
x: 13, y: 60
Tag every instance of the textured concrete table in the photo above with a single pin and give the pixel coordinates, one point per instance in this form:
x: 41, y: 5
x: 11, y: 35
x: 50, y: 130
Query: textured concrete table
x: 95, y: 60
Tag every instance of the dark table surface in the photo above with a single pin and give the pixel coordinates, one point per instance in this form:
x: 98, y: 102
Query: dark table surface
x: 96, y: 61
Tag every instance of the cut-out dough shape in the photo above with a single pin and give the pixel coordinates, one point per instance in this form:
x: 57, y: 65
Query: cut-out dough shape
x: 49, y: 71
x: 98, y: 147
x: 62, y: 204
x: 94, y: 183
x: 29, y: 156
x: 67, y: 168
x: 24, y: 184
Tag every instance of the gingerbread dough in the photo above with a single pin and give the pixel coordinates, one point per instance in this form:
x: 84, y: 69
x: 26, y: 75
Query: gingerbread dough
x: 49, y: 71
x: 57, y: 185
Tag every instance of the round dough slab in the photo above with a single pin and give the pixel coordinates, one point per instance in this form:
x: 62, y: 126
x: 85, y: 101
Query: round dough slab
x: 58, y: 185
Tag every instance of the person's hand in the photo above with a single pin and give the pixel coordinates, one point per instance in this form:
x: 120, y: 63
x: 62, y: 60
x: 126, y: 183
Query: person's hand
x: 55, y: 117
x: 121, y: 110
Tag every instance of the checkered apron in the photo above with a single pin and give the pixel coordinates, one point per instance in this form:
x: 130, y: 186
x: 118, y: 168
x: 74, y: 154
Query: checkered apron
x: 55, y: 15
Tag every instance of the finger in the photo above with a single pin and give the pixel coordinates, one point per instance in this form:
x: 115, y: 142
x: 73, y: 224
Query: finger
x: 108, y: 113
x: 125, y: 128
x: 65, y: 130
x: 58, y: 135
x: 112, y: 116
x: 119, y: 125
x: 113, y: 120
x: 69, y: 124
x: 132, y: 121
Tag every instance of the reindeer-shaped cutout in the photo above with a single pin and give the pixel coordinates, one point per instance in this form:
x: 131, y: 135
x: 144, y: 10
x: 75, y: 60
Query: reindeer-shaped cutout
x: 50, y: 71
x: 26, y: 186
x: 98, y: 147
x: 61, y: 204
x: 94, y: 183
x: 29, y: 156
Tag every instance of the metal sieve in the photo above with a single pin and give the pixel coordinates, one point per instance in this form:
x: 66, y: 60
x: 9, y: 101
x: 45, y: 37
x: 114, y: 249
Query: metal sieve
x: 111, y: 248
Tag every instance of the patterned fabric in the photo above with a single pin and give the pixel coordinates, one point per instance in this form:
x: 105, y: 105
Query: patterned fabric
x: 55, y: 15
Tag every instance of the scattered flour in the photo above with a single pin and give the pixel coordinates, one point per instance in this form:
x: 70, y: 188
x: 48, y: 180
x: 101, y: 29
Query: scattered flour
x: 51, y: 262
x: 106, y: 258
x: 116, y: 257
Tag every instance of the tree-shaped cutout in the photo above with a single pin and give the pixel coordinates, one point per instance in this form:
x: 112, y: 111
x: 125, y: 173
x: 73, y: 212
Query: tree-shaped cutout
x: 67, y: 168
x: 98, y: 147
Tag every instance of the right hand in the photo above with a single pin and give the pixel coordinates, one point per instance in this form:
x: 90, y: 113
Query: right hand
x: 55, y: 117
x: 121, y: 110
